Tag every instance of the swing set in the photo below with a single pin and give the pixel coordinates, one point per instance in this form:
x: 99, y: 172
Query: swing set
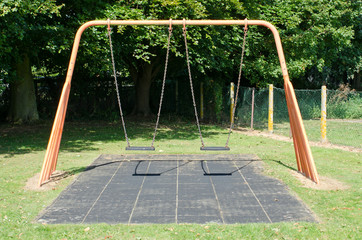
x: 152, y: 148
x: 303, y: 153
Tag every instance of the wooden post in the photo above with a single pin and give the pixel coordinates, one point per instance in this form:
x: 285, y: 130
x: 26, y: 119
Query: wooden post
x: 232, y: 101
x: 270, y: 112
x: 324, y: 114
x: 252, y: 110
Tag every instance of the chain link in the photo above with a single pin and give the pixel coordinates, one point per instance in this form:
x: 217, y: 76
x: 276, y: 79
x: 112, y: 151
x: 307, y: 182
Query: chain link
x: 116, y: 85
x: 192, y: 89
x: 163, y: 85
x: 237, y: 88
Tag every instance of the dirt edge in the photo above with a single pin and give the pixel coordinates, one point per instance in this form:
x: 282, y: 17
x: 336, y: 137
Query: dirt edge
x: 325, y: 183
x: 249, y: 132
x: 51, y: 184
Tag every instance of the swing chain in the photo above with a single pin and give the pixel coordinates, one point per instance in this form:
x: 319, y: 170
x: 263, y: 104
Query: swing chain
x: 192, y: 89
x: 238, y: 85
x: 163, y: 82
x: 116, y: 83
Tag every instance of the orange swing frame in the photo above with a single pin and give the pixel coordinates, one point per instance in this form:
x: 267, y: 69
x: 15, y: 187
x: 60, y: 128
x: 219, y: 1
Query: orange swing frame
x: 304, y: 158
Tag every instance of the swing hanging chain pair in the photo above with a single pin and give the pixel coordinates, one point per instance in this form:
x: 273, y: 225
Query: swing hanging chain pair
x: 116, y: 82
x: 237, y: 89
x: 191, y: 85
x: 239, y: 78
x: 163, y: 82
x: 117, y: 90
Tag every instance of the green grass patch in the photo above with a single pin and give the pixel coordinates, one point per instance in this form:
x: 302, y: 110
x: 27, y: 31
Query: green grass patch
x: 341, y: 132
x: 22, y: 150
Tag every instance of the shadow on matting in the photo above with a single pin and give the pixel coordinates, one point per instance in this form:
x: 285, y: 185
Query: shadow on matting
x: 135, y: 189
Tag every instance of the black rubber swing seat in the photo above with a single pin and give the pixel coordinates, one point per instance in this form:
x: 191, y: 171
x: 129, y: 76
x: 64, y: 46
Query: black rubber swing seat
x: 140, y: 148
x: 215, y: 148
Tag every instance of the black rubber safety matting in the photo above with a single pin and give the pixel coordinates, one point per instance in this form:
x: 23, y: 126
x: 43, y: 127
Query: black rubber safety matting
x: 136, y: 189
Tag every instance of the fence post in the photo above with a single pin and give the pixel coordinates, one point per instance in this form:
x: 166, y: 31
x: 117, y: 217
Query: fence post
x: 232, y: 95
x: 202, y: 100
x: 252, y: 110
x: 324, y: 114
x: 270, y: 112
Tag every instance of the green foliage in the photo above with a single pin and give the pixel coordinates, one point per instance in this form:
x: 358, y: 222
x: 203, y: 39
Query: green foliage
x: 215, y: 90
x: 354, y: 107
x: 321, y: 41
x: 344, y: 103
x: 209, y: 49
x: 317, y: 37
x: 2, y: 84
x: 23, y: 27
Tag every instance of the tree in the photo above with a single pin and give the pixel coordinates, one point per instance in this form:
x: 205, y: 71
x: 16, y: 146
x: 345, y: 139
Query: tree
x: 319, y: 38
x: 23, y: 25
x: 142, y: 48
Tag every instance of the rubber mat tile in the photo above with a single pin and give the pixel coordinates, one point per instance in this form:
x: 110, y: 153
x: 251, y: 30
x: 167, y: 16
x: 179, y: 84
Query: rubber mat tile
x: 160, y: 180
x: 200, y: 219
x: 198, y: 204
x: 246, y: 219
x: 189, y: 179
x: 198, y: 211
x: 153, y: 219
x: 110, y: 213
x: 61, y: 219
x: 155, y: 208
x: 237, y: 201
x: 64, y: 214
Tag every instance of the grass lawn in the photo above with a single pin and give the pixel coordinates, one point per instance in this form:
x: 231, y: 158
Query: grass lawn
x: 347, y: 133
x: 22, y: 149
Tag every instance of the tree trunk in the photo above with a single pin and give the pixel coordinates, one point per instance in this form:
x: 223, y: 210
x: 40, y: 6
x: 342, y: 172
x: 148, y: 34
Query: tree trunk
x: 143, y: 78
x: 142, y: 106
x: 23, y: 101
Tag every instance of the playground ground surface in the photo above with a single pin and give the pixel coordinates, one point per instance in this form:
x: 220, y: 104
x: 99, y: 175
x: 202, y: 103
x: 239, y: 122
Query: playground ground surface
x: 337, y: 209
x: 203, y: 189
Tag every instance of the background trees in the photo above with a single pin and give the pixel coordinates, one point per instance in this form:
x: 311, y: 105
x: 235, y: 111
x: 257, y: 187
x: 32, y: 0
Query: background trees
x: 321, y: 42
x: 318, y: 37
x: 24, y: 29
x: 141, y: 49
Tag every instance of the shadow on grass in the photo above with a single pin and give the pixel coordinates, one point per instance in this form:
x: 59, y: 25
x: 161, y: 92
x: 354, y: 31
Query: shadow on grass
x: 23, y: 139
x: 81, y: 136
x: 67, y: 173
x: 282, y: 164
x: 74, y: 171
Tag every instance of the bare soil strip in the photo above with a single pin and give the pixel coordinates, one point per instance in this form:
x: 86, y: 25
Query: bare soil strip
x: 249, y: 132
